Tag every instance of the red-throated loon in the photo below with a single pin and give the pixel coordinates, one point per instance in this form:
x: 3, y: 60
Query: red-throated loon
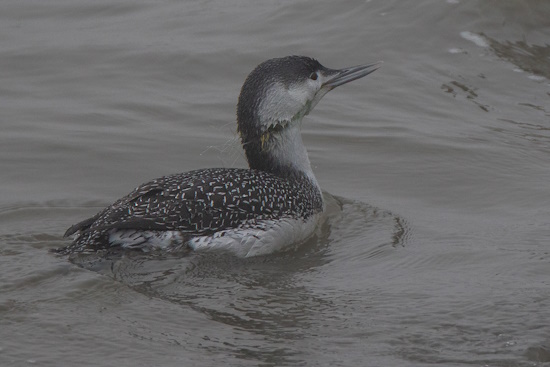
x: 275, y: 203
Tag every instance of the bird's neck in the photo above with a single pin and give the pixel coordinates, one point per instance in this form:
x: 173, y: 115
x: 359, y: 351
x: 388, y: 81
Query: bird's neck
x: 280, y: 151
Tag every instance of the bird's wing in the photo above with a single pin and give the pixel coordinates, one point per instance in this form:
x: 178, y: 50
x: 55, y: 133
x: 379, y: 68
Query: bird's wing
x: 197, y: 202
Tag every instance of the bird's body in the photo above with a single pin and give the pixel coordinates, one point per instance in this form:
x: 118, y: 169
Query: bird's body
x: 275, y: 203
x: 220, y: 207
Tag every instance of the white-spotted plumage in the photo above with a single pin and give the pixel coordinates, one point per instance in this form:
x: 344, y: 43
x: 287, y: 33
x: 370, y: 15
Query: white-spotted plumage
x: 249, y: 212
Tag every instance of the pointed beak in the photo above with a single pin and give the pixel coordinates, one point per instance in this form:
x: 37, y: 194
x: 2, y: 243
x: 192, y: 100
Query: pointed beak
x: 343, y: 76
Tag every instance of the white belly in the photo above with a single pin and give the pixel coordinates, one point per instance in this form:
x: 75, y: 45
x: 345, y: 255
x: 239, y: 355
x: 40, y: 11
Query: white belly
x: 252, y: 239
x: 260, y: 238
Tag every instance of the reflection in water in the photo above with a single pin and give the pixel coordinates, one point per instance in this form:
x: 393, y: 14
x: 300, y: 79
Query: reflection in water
x: 535, y: 134
x: 455, y: 88
x: 531, y: 58
x: 521, y: 127
x: 261, y: 298
x: 534, y: 59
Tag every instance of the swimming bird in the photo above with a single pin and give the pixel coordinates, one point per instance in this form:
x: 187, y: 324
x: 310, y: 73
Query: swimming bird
x: 274, y: 203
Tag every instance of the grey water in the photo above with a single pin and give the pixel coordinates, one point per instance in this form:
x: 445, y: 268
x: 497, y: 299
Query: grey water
x: 436, y: 169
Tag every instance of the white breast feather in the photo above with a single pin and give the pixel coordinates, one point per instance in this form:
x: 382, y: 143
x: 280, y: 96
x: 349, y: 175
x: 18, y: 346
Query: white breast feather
x: 261, y: 239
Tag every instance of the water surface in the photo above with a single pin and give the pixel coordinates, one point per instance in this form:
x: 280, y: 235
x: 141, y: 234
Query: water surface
x: 436, y: 168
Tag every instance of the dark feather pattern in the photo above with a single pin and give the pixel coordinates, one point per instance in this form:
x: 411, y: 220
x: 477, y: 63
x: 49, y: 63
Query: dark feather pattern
x: 199, y: 203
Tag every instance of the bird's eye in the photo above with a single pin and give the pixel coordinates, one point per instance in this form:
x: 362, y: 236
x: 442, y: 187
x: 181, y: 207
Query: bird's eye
x: 313, y: 76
